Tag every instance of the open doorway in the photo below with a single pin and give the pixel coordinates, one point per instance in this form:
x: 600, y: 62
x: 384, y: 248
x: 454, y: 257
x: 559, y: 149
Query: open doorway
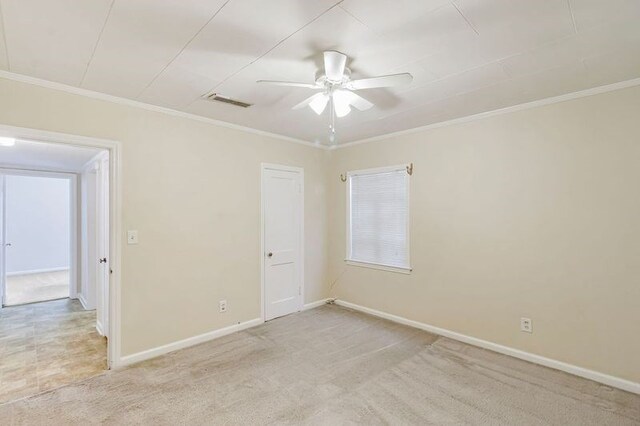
x: 54, y: 265
x: 38, y: 229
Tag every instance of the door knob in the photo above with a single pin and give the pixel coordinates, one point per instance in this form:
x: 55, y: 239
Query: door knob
x: 269, y: 254
x: 8, y: 245
x: 103, y: 260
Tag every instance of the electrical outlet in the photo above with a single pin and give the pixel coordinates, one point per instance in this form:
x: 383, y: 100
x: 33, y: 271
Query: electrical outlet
x: 222, y: 305
x: 526, y: 325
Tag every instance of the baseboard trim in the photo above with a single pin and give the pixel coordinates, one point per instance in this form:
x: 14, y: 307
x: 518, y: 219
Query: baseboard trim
x: 99, y: 328
x: 82, y: 300
x: 185, y: 343
x: 596, y: 376
x: 315, y: 304
x: 37, y: 271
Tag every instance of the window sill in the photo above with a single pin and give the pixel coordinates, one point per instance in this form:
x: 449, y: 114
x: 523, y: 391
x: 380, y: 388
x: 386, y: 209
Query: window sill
x: 387, y: 268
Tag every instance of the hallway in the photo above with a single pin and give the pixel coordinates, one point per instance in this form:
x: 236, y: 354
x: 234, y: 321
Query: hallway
x: 47, y: 345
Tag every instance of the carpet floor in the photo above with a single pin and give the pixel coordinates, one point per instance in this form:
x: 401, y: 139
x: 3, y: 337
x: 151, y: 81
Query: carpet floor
x: 29, y: 288
x: 330, y: 365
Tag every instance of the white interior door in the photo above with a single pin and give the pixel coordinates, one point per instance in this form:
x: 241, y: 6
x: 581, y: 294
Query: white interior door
x: 103, y: 270
x: 3, y: 230
x: 282, y: 197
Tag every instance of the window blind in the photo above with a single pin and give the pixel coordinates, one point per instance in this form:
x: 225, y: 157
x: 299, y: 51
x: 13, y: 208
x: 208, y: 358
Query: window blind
x: 379, y: 215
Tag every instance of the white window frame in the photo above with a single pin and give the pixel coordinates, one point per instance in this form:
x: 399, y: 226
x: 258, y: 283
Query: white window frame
x: 378, y: 266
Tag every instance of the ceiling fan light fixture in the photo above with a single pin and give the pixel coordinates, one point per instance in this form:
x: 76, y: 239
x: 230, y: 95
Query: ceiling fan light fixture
x: 342, y: 102
x: 342, y: 109
x: 319, y: 104
x: 334, y: 65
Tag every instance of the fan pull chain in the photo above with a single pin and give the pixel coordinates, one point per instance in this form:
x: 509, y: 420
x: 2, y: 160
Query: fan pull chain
x: 332, y: 120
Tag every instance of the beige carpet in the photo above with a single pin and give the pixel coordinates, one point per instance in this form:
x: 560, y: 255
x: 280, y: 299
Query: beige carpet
x: 30, y: 288
x: 330, y: 366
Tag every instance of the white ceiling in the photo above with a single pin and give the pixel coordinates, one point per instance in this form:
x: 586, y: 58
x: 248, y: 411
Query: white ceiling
x: 467, y: 56
x: 46, y: 156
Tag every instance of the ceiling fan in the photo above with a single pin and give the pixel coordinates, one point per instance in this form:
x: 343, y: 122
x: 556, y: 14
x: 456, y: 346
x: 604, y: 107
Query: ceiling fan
x: 337, y: 89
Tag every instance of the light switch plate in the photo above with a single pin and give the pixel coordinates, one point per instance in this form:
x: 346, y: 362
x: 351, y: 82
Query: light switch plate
x: 132, y: 237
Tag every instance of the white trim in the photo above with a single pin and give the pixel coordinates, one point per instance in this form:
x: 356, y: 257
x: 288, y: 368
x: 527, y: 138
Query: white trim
x: 89, y: 166
x: 83, y: 301
x: 514, y: 108
x: 99, y: 328
x: 596, y: 376
x: 74, y: 247
x: 3, y: 233
x: 300, y: 171
x: 188, y: 342
x: 38, y: 271
x: 149, y: 107
x: 38, y: 169
x: 130, y: 102
x: 316, y: 304
x: 114, y: 342
x: 379, y: 266
x: 376, y: 170
x: 142, y: 105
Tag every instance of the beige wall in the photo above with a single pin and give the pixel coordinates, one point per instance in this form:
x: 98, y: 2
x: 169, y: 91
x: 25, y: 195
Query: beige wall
x: 529, y: 214
x: 192, y: 190
x: 534, y: 213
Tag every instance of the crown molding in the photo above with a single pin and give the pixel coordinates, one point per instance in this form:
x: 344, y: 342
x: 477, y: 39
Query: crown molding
x: 466, y: 119
x: 8, y: 75
x: 514, y: 108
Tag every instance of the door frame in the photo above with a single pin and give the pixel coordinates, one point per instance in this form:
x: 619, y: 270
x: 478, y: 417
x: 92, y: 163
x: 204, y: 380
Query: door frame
x: 277, y: 167
x: 114, y: 342
x: 73, y: 224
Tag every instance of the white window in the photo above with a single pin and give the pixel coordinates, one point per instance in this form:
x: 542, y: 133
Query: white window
x: 378, y: 218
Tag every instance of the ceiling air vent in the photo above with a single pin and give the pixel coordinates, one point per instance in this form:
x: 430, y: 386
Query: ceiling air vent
x: 219, y: 98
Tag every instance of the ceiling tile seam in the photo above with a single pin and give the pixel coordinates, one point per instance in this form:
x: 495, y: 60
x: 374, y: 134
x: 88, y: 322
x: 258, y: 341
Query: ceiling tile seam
x: 438, y: 80
x: 465, y: 18
x: 377, y: 33
x: 500, y: 111
x: 274, y: 47
x: 383, y: 34
x: 4, y: 37
x: 95, y: 46
x: 445, y: 98
x: 92, y: 94
x: 182, y: 49
x: 573, y: 18
x: 499, y: 61
x: 508, y: 79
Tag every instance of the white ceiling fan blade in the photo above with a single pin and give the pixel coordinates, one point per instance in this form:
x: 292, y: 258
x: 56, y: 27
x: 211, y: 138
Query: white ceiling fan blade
x: 344, y: 98
x: 359, y: 102
x: 289, y: 84
x: 317, y: 102
x: 334, y: 63
x: 382, y: 81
